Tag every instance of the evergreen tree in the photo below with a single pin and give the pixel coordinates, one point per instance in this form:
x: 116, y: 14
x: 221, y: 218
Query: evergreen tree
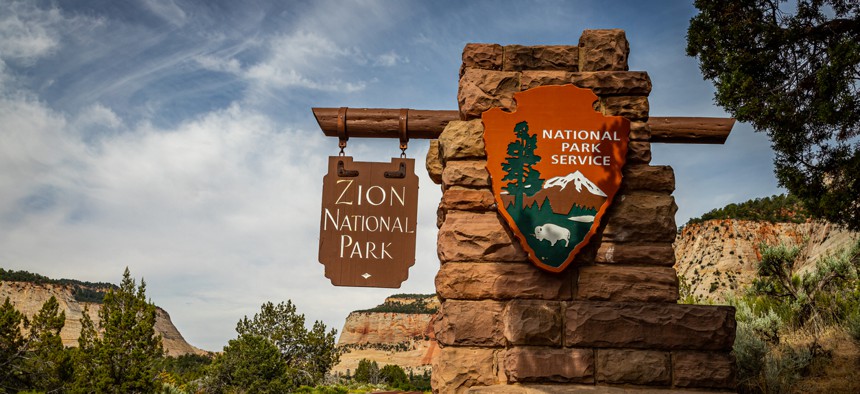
x: 519, y: 165
x: 394, y: 376
x: 304, y: 357
x: 320, y: 351
x: 12, y: 347
x: 124, y: 358
x: 251, y: 364
x: 367, y: 371
x: 792, y: 71
x: 49, y: 363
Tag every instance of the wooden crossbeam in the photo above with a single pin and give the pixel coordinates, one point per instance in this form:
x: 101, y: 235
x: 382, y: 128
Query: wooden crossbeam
x: 428, y: 124
x: 685, y: 130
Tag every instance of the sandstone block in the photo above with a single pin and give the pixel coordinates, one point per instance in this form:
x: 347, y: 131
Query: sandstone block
x: 541, y: 57
x: 433, y: 163
x: 480, y: 90
x: 622, y: 83
x: 469, y: 173
x: 458, y: 198
x: 630, y: 366
x: 472, y: 236
x: 470, y: 323
x: 529, y: 364
x: 638, y: 152
x: 458, y: 368
x: 603, y: 50
x: 533, y: 322
x: 462, y: 140
x: 641, y: 217
x: 631, y: 107
x: 627, y: 284
x: 532, y: 79
x: 482, y: 56
x: 640, y: 131
x: 440, y: 216
x: 500, y: 281
x: 649, y: 178
x: 704, y: 370
x: 626, y: 253
x: 602, y: 83
x: 649, y: 326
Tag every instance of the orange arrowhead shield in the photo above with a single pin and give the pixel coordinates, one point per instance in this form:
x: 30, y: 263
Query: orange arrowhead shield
x: 555, y: 165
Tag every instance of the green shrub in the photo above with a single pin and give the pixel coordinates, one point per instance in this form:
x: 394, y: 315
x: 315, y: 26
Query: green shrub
x: 852, y: 325
x: 750, y: 352
x: 337, y: 389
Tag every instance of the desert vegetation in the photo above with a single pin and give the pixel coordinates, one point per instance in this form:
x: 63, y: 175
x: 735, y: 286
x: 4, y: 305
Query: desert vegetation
x: 790, y: 320
x: 274, y: 352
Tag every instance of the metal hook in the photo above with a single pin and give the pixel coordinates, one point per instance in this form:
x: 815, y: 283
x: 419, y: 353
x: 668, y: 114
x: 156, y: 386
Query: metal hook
x: 404, y: 133
x: 341, y: 129
x: 343, y: 172
x: 399, y: 174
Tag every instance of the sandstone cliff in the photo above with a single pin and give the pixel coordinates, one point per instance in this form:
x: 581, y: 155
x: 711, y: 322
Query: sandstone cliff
x: 717, y: 257
x: 29, y: 297
x: 397, y: 332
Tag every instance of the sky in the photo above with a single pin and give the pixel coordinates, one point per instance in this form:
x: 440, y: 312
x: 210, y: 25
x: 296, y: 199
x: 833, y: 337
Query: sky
x: 176, y: 137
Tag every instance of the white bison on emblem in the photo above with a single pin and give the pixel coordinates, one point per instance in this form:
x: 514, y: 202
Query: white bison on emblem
x: 552, y: 233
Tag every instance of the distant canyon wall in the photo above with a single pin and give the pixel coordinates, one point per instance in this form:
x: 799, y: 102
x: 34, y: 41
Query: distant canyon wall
x: 28, y: 298
x: 718, y: 257
x: 404, y: 339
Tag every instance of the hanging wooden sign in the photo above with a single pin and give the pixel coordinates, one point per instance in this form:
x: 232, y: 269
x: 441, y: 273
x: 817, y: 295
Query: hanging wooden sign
x: 555, y: 165
x: 368, y: 221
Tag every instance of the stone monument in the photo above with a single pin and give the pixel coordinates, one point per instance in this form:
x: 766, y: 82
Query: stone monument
x: 611, y: 320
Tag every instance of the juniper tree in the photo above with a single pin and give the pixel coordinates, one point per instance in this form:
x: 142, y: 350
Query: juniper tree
x: 275, y: 352
x: 12, y: 347
x: 49, y: 364
x: 794, y: 74
x: 122, y: 355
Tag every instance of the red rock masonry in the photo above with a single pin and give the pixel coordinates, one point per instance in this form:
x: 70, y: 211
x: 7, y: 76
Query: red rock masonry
x: 611, y: 319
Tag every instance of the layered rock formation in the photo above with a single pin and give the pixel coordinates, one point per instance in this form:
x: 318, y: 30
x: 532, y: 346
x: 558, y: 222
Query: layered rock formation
x: 28, y: 298
x: 719, y: 257
x: 392, y: 333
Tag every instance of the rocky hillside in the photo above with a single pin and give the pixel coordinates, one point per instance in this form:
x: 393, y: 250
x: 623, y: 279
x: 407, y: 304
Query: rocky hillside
x: 28, y: 298
x: 397, y: 332
x: 716, y: 257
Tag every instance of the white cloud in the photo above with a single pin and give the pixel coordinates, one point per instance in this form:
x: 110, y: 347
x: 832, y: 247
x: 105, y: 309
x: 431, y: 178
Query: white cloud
x: 26, y: 32
x: 34, y: 150
x: 212, y: 63
x: 390, y: 59
x: 294, y: 60
x: 97, y: 115
x: 167, y: 10
x: 213, y: 200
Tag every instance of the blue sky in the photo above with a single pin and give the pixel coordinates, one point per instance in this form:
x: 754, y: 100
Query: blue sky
x: 176, y: 138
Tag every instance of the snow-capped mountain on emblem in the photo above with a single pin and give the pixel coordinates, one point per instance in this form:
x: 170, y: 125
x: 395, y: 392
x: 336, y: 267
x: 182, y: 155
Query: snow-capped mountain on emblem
x: 578, y: 180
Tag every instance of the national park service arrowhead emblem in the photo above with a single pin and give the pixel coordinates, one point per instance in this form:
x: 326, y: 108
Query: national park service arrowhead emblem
x: 555, y: 165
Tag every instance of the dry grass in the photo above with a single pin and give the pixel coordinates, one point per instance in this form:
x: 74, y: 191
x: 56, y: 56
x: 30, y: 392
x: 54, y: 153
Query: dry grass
x: 840, y: 374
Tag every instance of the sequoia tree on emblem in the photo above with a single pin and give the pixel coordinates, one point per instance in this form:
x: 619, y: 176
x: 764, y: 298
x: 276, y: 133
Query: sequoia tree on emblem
x: 555, y: 165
